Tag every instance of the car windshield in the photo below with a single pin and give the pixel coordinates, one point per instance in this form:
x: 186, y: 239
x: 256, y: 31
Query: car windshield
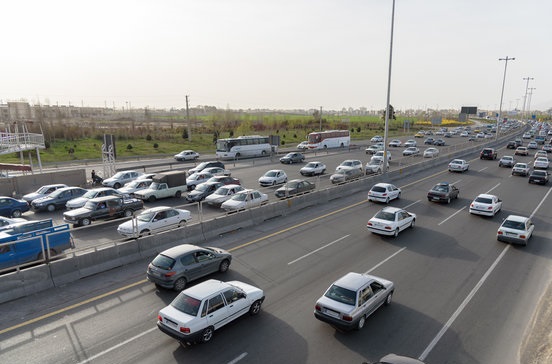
x: 186, y: 304
x: 484, y: 200
x: 222, y: 191
x: 517, y: 225
x: 163, y: 262
x: 293, y: 184
x: 385, y: 215
x: 239, y: 197
x: 118, y: 175
x: 202, y: 187
x: 289, y: 155
x: 90, y: 205
x: 145, y: 216
x: 201, y: 166
x: 347, y: 164
x: 43, y: 189
x: 90, y: 194
x: 310, y: 165
x: 341, y: 294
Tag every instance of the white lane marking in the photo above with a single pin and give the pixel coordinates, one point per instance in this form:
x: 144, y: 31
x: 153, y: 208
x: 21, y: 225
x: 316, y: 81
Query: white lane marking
x: 460, y: 308
x: 101, y: 353
x: 462, y: 305
x: 317, y: 250
x: 481, y: 170
x: 385, y: 260
x: 451, y: 216
x: 240, y: 357
x: 412, y: 204
x: 453, y: 183
x: 498, y: 184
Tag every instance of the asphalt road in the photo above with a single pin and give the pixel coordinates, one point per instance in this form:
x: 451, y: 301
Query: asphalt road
x: 461, y: 296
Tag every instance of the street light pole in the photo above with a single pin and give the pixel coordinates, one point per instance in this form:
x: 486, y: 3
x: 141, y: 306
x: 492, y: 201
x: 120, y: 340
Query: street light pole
x: 386, y: 132
x: 502, y: 92
x: 529, y: 101
x: 525, y: 97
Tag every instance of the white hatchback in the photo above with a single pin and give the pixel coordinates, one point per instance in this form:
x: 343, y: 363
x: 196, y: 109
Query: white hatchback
x: 541, y: 163
x: 384, y: 192
x: 198, y: 311
x: 485, y: 204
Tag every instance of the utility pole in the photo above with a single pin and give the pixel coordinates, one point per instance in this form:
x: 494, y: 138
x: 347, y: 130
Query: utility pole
x: 525, y: 97
x: 188, y: 120
x: 529, y: 102
x: 502, y: 92
x: 320, y: 116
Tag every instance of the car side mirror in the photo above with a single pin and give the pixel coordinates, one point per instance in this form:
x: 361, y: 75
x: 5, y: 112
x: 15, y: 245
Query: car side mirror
x: 242, y: 295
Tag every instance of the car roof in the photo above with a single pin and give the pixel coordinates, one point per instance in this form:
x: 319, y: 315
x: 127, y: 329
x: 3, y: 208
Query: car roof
x: 381, y: 184
x: 179, y: 250
x: 105, y: 198
x: 157, y: 208
x: 354, y: 281
x: 516, y: 218
x: 391, y: 209
x: 207, y: 288
x: 486, y: 195
x: 232, y: 185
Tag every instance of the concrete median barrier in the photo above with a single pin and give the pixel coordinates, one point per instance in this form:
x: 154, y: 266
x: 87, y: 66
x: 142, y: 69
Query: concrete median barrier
x: 25, y: 282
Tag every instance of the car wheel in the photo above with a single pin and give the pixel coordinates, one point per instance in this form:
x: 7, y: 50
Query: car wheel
x: 182, y: 223
x: 151, y: 198
x: 361, y: 323
x: 16, y: 213
x: 396, y: 232
x: 85, y: 222
x: 387, y: 200
x: 255, y: 308
x: 180, y: 284
x: 388, y: 299
x: 273, y: 182
x: 207, y: 334
x: 117, y: 186
x: 238, y: 155
x: 128, y: 213
x: 178, y: 194
x: 51, y: 208
x: 413, y: 223
x: 263, y: 153
x: 399, y: 196
x: 145, y: 232
x: 224, y: 266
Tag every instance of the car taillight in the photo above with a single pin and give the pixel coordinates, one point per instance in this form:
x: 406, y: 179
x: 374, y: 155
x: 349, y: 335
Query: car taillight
x: 471, y: 205
x: 388, y: 228
x: 317, y: 308
x: 369, y: 223
x: 159, y: 318
x: 347, y: 318
x: 185, y: 330
x: 170, y: 274
x: 522, y: 236
x: 499, y: 232
x: 489, y: 208
x: 385, y: 194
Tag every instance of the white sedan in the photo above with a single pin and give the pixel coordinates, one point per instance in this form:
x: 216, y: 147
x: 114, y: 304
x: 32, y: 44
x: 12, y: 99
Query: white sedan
x: 515, y: 229
x: 541, y: 163
x: 244, y: 200
x: 458, y: 165
x: 395, y: 143
x: 313, y: 169
x: 431, y: 152
x: 410, y: 143
x: 186, y: 155
x: 391, y: 221
x: 273, y: 177
x: 223, y: 194
x: 485, y: 204
x: 411, y: 151
x: 154, y: 220
x: 384, y: 192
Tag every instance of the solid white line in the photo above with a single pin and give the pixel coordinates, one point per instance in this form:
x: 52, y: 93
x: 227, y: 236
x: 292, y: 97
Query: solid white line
x: 240, y: 357
x: 317, y: 250
x: 412, y: 204
x: 101, y: 353
x: 498, y: 184
x: 385, y: 260
x: 481, y: 170
x: 453, y: 183
x: 445, y: 220
x: 462, y: 305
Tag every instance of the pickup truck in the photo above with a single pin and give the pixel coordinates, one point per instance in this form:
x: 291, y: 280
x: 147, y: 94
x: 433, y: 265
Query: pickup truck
x: 103, y: 208
x: 18, y: 245
x: 164, y: 185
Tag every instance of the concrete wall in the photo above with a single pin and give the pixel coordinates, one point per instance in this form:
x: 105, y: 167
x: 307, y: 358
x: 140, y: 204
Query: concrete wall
x: 21, y: 185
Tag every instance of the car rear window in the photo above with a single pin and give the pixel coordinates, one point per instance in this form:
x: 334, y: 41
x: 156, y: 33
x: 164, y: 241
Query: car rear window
x: 341, y: 294
x: 186, y: 304
x: 484, y: 200
x: 385, y: 215
x: 378, y: 189
x: 163, y: 262
x: 514, y: 225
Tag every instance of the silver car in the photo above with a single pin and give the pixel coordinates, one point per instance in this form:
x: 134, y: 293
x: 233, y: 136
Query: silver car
x: 351, y: 299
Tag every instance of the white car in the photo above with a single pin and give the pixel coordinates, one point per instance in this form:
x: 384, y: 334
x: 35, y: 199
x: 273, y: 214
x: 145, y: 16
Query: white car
x: 384, y: 192
x: 198, y: 311
x: 374, y: 148
x: 350, y: 163
x: 273, y: 177
x: 515, y: 229
x: 217, y: 171
x: 395, y: 143
x: 376, y: 139
x: 541, y: 153
x: 136, y: 185
x: 464, y: 134
x: 532, y: 145
x: 245, y: 199
x: 520, y: 169
x: 379, y: 156
x: 411, y: 151
x: 351, y: 299
x: 303, y: 145
x: 186, y: 155
x: 391, y: 221
x: 313, y: 169
x: 485, y: 204
x: 431, y: 152
x: 154, y: 220
x: 43, y: 192
x: 196, y: 178
x: 541, y: 163
x: 410, y: 143
x: 223, y: 194
x: 375, y: 167
x: 79, y: 202
x: 119, y: 179
x: 458, y: 165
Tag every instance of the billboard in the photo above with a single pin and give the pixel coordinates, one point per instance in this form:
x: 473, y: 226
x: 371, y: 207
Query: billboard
x: 470, y: 110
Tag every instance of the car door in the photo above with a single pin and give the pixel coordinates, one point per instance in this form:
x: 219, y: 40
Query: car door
x: 236, y: 303
x: 217, y: 311
x: 159, y: 222
x: 255, y: 199
x: 403, y: 220
x: 208, y: 262
x: 190, y: 267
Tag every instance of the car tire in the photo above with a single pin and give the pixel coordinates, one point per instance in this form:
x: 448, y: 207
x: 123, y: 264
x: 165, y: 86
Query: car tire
x: 178, y: 194
x: 255, y: 308
x: 387, y: 200
x: 117, y: 186
x: 388, y: 299
x: 51, y: 208
x: 361, y: 322
x: 16, y: 213
x: 152, y: 198
x: 413, y: 223
x: 180, y: 284
x: 182, y: 223
x: 223, y: 267
x: 396, y: 233
x: 207, y: 334
x: 85, y: 222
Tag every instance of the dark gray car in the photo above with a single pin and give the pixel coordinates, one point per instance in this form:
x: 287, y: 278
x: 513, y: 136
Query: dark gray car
x: 175, y: 267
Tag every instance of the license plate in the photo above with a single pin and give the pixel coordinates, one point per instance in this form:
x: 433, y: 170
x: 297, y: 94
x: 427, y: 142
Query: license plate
x: 332, y: 313
x: 435, y: 198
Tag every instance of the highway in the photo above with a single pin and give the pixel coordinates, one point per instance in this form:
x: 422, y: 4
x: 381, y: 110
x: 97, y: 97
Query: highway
x: 461, y: 296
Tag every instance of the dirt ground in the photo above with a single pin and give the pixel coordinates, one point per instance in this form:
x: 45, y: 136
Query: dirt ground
x: 538, y: 346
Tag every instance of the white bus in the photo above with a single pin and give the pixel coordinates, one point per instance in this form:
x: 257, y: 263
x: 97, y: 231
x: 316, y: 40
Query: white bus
x: 329, y: 139
x: 243, y: 146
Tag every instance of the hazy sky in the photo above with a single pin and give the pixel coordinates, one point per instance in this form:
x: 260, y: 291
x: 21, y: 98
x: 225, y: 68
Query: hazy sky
x: 279, y: 54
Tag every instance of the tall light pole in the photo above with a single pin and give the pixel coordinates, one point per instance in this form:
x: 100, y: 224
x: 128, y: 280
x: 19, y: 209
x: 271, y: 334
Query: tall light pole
x: 502, y: 92
x: 529, y: 102
x: 386, y: 132
x: 525, y: 97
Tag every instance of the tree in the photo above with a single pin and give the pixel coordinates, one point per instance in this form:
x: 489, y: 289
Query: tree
x: 391, y: 113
